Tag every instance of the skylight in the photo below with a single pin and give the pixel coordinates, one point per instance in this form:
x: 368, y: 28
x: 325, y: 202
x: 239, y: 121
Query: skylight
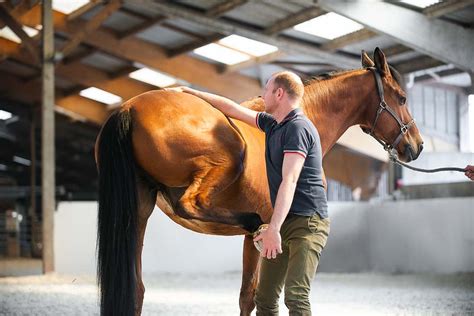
x: 4, y: 115
x: 247, y: 45
x: 7, y: 33
x: 68, y: 6
x: 329, y: 26
x: 221, y: 54
x: 421, y: 3
x: 153, y: 77
x: 100, y: 96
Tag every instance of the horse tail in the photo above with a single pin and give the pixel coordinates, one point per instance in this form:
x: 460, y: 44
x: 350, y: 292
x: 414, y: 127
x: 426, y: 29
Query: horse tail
x: 117, y: 217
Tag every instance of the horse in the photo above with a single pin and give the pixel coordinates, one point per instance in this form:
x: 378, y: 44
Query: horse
x: 206, y: 171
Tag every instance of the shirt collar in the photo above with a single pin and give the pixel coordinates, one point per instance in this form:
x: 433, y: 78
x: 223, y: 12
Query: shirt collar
x: 293, y: 113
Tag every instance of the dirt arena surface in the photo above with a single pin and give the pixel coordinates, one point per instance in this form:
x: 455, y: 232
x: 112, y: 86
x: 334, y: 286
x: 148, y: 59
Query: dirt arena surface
x: 197, y: 294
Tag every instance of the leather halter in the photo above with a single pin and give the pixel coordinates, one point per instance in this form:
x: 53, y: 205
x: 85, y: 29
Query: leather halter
x: 383, y: 106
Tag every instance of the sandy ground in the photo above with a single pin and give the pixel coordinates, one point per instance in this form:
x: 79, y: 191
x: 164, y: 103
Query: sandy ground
x: 173, y: 294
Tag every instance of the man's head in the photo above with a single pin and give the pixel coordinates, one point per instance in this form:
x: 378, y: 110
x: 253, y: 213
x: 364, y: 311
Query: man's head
x: 283, y: 88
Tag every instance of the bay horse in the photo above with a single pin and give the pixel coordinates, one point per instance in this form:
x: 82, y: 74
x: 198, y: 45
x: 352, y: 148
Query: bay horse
x: 206, y: 171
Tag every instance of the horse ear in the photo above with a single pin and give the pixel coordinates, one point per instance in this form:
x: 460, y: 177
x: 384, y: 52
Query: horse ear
x: 366, y: 61
x: 381, y: 61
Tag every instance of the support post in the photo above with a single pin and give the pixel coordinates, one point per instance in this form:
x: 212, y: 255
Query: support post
x: 47, y: 137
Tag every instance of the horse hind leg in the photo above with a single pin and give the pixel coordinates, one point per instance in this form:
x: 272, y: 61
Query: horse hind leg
x: 198, y: 201
x: 251, y: 262
x: 146, y: 193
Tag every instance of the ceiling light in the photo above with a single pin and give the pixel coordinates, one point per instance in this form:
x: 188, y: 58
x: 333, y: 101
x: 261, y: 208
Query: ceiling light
x: 248, y: 46
x: 68, y: 6
x: 329, y: 26
x: 21, y: 160
x: 4, y: 115
x: 152, y: 77
x: 221, y: 54
x: 100, y: 96
x: 421, y: 3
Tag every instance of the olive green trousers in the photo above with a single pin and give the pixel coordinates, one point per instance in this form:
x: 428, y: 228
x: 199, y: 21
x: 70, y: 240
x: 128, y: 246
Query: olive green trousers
x: 303, y: 239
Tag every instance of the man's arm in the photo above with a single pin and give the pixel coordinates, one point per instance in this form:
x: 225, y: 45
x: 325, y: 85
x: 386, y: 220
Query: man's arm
x: 225, y: 105
x: 292, y: 165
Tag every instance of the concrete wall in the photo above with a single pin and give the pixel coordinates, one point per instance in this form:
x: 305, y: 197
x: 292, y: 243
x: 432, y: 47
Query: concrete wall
x: 406, y: 236
x: 438, y: 160
x: 435, y: 235
x: 168, y: 247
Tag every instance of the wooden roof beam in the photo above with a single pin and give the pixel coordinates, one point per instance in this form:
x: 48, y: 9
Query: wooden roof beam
x: 83, y: 10
x: 418, y: 63
x: 224, y: 7
x: 230, y: 27
x: 193, y: 45
x: 21, y: 8
x: 346, y: 40
x: 294, y: 19
x: 141, y: 27
x: 193, y: 70
x: 87, y: 76
x: 252, y: 62
x: 17, y: 28
x: 89, y: 27
x: 445, y: 7
x: 434, y: 37
x: 14, y: 88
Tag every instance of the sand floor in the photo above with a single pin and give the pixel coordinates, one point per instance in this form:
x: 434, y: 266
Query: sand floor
x: 176, y: 294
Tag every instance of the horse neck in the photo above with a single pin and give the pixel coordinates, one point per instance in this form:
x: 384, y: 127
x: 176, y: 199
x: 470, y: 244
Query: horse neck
x: 335, y: 104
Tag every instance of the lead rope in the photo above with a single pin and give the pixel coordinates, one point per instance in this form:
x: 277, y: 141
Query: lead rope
x: 394, y: 159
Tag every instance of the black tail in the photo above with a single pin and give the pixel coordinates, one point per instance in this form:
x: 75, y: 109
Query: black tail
x: 117, y: 219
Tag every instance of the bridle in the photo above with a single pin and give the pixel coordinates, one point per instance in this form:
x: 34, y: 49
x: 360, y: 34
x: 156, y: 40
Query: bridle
x: 383, y: 106
x: 391, y: 148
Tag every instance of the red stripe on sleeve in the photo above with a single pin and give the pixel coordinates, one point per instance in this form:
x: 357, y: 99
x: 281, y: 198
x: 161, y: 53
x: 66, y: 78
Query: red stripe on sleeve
x: 295, y: 152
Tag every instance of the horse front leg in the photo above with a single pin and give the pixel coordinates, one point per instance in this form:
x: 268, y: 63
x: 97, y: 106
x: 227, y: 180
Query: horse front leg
x: 251, y: 265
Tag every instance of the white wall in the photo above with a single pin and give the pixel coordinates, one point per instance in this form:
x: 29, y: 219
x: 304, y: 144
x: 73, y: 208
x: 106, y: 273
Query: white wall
x: 438, y: 160
x: 168, y: 247
x: 434, y: 235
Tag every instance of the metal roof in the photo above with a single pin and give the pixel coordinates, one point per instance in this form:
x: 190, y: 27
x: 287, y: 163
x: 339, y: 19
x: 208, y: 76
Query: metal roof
x: 176, y: 36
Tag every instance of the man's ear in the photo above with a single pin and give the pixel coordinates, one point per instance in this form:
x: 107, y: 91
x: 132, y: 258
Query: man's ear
x: 280, y: 92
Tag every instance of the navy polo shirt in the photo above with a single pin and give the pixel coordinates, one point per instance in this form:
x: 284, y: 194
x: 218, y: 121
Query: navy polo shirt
x: 295, y: 134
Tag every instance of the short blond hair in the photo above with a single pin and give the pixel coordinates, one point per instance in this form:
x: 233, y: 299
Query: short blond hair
x: 290, y: 82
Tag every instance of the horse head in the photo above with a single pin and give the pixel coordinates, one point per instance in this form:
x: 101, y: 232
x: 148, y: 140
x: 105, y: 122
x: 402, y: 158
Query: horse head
x: 387, y: 117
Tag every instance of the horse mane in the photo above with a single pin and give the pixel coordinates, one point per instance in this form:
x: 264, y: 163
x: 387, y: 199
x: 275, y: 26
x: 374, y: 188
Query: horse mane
x: 334, y: 74
x: 256, y: 103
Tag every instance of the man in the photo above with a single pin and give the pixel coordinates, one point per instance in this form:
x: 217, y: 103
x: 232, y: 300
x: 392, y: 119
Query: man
x: 469, y: 172
x: 299, y: 226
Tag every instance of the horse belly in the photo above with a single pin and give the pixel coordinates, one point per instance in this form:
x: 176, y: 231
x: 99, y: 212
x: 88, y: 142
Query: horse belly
x: 195, y: 225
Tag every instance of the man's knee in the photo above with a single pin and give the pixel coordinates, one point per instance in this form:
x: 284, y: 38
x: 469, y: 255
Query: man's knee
x: 266, y: 304
x: 297, y: 301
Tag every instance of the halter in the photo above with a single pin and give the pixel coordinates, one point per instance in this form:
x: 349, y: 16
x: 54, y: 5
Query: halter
x: 390, y: 148
x: 383, y: 106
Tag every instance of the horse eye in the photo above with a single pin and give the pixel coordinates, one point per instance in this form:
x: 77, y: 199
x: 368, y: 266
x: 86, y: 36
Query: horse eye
x: 402, y: 100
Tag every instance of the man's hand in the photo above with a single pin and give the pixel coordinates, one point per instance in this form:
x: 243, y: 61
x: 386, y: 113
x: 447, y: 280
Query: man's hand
x: 271, y: 243
x: 177, y: 89
x: 469, y: 172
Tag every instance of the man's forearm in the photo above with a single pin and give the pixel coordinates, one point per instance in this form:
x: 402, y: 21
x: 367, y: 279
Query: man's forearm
x: 285, y: 196
x: 223, y: 104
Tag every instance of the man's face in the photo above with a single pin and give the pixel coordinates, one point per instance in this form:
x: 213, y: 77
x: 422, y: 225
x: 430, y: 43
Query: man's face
x: 269, y: 97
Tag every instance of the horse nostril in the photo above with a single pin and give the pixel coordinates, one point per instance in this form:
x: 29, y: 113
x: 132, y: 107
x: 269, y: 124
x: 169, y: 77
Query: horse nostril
x: 420, y: 148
